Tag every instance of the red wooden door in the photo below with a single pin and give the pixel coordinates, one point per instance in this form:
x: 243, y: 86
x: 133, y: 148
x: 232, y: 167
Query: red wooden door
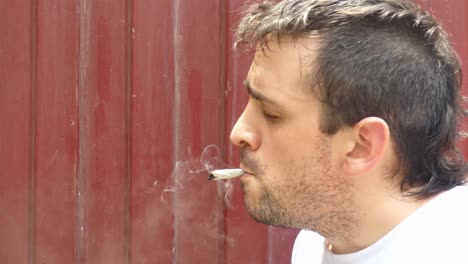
x: 110, y: 112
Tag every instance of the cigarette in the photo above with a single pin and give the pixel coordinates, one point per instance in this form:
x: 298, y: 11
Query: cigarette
x: 225, y: 174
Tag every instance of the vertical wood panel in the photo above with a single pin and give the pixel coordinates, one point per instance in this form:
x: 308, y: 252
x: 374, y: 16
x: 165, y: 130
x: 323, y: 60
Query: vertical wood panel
x: 152, y: 130
x: 103, y: 132
x: 57, y: 137
x: 16, y: 66
x: 198, y: 122
x: 281, y: 241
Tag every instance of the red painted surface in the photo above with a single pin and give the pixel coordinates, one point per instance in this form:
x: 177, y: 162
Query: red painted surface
x: 56, y: 134
x: 16, y: 77
x: 103, y: 177
x: 106, y: 108
x: 198, y: 122
x: 152, y: 159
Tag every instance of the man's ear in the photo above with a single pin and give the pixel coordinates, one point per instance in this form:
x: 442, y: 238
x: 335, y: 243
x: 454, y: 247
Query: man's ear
x: 371, y: 138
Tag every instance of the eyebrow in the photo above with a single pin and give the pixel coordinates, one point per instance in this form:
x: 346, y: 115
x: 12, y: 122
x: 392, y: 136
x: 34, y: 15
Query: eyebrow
x: 257, y: 95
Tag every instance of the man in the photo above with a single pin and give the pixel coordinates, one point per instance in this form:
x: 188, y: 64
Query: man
x: 350, y: 129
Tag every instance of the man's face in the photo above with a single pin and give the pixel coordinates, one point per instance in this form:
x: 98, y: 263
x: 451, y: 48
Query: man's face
x: 294, y: 176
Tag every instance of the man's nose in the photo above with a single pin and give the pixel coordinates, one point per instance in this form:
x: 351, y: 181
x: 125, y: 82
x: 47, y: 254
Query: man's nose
x: 244, y: 134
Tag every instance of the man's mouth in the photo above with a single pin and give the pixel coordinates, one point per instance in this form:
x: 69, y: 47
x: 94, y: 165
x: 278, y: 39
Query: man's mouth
x: 246, y: 170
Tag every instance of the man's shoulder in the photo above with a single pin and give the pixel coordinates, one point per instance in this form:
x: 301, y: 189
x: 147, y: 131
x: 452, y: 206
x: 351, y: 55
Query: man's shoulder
x: 440, y: 232
x: 453, y: 203
x: 452, y: 214
x: 308, y: 248
x: 436, y: 234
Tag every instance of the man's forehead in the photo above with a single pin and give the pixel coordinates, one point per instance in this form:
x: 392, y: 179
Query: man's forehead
x: 286, y: 58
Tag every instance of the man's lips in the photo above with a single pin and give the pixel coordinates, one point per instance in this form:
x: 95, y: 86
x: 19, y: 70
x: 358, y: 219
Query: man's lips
x: 246, y: 171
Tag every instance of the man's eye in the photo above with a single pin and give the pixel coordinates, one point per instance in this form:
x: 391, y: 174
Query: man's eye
x: 270, y: 116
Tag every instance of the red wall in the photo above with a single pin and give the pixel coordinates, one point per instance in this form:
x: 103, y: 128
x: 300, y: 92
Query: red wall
x: 106, y: 108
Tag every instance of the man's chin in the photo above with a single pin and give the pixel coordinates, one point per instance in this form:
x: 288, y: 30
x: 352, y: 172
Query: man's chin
x: 260, y: 218
x: 266, y: 212
x: 252, y: 207
x: 267, y: 220
x: 257, y: 212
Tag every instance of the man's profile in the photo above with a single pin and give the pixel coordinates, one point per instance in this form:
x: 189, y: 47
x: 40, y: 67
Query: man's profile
x: 350, y: 131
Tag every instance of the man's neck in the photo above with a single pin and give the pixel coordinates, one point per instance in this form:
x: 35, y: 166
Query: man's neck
x: 379, y: 215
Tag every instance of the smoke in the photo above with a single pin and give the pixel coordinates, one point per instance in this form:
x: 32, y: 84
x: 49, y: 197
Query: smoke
x: 209, y: 160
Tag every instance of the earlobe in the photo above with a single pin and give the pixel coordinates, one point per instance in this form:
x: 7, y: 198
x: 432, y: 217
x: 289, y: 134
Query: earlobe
x: 371, y: 140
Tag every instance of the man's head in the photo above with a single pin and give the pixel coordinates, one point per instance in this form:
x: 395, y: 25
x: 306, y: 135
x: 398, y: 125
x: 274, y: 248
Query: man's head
x: 345, y: 94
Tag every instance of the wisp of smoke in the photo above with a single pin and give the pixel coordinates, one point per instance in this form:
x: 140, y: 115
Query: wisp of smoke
x: 209, y: 160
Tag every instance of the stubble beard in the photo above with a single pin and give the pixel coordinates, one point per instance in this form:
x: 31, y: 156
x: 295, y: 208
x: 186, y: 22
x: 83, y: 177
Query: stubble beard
x: 324, y: 205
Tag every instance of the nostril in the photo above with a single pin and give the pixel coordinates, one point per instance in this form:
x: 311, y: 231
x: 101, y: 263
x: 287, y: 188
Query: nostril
x: 243, y: 143
x: 238, y: 141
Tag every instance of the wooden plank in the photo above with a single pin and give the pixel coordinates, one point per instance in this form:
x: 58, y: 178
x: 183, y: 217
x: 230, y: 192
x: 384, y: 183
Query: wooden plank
x: 16, y: 75
x: 240, y: 227
x: 103, y: 93
x: 281, y: 241
x: 152, y: 134
x: 198, y: 122
x: 57, y: 135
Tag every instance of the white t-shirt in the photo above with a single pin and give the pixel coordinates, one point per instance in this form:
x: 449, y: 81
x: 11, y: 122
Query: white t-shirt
x: 435, y: 233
